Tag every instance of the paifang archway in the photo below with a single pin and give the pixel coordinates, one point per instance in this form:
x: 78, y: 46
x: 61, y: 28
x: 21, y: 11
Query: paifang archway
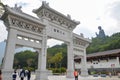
x: 26, y: 30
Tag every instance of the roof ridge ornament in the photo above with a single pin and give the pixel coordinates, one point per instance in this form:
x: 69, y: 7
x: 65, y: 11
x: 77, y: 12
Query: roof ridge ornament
x: 78, y: 22
x: 44, y: 3
x: 17, y: 8
x: 68, y: 16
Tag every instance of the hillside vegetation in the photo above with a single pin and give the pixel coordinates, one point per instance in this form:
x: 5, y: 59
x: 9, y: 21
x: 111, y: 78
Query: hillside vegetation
x: 103, y: 44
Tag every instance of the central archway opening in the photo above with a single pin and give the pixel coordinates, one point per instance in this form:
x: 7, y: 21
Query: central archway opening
x: 56, y: 56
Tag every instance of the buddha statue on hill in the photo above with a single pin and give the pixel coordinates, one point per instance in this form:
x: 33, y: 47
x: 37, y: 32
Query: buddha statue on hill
x: 101, y: 33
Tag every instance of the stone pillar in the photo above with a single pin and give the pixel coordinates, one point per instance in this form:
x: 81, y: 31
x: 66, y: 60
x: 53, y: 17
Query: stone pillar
x: 70, y: 61
x: 41, y: 73
x: 117, y: 58
x: 84, y: 70
x: 7, y: 68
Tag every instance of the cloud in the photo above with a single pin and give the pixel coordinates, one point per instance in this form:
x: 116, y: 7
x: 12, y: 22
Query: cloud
x: 115, y: 10
x: 3, y: 32
x: 22, y: 4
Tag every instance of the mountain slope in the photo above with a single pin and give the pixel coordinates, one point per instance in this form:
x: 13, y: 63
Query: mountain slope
x: 108, y: 43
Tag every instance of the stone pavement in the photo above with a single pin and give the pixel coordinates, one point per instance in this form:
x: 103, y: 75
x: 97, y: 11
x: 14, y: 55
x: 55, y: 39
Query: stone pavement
x: 82, y: 78
x: 63, y: 77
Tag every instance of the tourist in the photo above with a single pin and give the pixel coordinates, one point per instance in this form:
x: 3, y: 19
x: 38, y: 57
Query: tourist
x: 118, y: 74
x: 28, y: 74
x: 110, y: 75
x: 76, y: 74
x: 0, y: 75
x: 14, y: 75
x: 22, y: 74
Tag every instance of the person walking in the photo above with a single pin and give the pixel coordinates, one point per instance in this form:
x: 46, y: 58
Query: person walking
x: 28, y: 74
x: 110, y: 74
x: 118, y: 74
x: 0, y: 75
x: 22, y: 74
x: 14, y: 75
x: 76, y: 74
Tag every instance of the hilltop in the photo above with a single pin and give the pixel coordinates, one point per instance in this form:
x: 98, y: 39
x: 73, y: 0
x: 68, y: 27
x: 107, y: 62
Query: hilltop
x: 103, y: 44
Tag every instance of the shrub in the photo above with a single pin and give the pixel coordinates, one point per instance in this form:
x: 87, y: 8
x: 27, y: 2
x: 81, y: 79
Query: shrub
x: 63, y: 70
x: 58, y: 70
x: 29, y: 68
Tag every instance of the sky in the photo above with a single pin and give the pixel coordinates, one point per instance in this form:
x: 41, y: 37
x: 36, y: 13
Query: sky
x: 90, y: 13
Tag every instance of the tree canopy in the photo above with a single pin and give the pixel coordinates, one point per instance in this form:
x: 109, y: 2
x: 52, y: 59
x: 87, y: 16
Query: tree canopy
x: 25, y: 59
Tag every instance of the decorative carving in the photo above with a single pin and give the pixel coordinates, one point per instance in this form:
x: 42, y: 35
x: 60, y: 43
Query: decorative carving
x: 79, y: 50
x: 56, y: 18
x: 79, y: 42
x: 16, y: 8
x: 24, y: 25
x: 2, y: 9
x: 6, y: 22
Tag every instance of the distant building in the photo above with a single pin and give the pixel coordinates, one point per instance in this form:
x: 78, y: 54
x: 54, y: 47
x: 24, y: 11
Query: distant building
x: 108, y: 61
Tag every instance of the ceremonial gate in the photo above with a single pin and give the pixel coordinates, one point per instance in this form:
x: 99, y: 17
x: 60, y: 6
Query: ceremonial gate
x: 26, y: 30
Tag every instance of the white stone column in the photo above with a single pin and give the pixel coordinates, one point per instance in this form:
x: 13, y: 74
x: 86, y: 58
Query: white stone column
x: 117, y: 58
x: 41, y: 73
x: 70, y: 61
x: 84, y: 70
x: 7, y: 68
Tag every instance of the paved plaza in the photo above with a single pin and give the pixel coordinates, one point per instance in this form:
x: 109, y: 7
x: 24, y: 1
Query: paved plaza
x: 63, y: 77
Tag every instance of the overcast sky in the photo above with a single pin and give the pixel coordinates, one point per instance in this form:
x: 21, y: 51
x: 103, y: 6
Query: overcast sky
x: 90, y: 13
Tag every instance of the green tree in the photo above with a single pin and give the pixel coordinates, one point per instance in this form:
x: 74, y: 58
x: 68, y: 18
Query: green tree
x: 55, y: 49
x: 25, y: 59
x: 56, y: 59
x: 30, y: 61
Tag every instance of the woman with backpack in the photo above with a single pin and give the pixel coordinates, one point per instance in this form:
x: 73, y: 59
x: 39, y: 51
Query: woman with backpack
x: 76, y: 74
x: 14, y: 75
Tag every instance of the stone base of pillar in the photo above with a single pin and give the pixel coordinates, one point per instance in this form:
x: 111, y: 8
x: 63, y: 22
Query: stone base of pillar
x: 84, y: 72
x: 41, y: 75
x: 7, y: 74
x: 70, y: 74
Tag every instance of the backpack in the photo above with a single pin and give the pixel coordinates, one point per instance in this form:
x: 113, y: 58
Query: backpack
x: 22, y: 73
x: 14, y: 75
x: 75, y: 73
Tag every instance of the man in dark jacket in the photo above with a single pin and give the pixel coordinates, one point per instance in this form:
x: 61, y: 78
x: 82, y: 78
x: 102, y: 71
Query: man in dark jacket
x: 22, y: 74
